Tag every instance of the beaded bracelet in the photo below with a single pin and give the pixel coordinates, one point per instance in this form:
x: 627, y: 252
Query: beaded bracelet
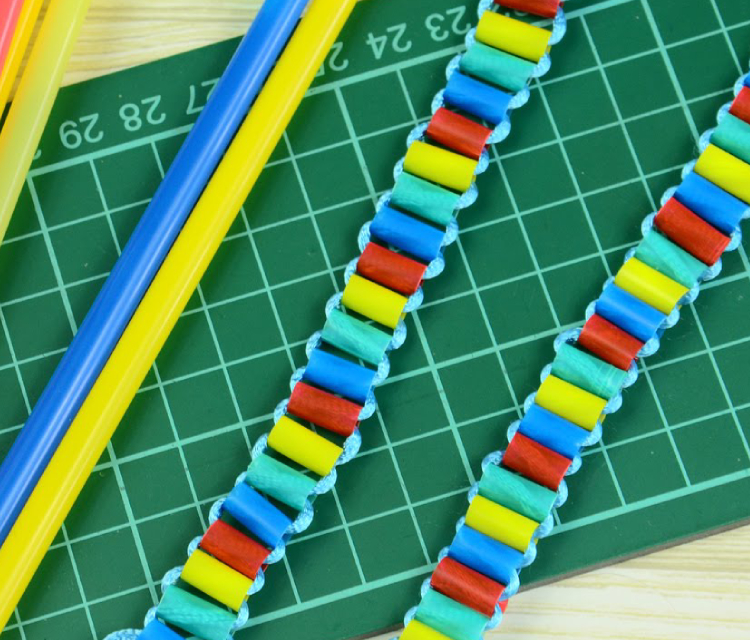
x: 400, y: 247
x: 510, y: 508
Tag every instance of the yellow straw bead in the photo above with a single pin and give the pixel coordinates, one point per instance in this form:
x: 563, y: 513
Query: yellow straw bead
x: 415, y: 630
x: 649, y: 285
x: 438, y: 165
x: 725, y: 171
x: 305, y: 447
x: 513, y: 36
x: 500, y: 523
x: 216, y: 580
x: 570, y: 402
x: 374, y: 301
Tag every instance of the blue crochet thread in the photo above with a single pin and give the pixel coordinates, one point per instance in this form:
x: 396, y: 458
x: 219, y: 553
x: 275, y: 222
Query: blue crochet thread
x: 495, y: 458
x: 352, y: 443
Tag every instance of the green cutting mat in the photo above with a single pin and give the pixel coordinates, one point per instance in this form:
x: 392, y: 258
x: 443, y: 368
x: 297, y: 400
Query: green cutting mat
x: 631, y: 87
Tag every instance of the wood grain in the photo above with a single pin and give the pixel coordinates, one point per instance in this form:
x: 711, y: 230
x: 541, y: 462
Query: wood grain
x: 699, y: 590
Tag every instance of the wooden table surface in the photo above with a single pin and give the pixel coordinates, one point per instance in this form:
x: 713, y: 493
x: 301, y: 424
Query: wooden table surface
x: 699, y: 590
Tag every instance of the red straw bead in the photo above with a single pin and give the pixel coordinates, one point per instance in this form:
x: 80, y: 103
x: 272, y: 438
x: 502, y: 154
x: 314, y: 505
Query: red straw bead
x: 464, y: 585
x: 392, y: 270
x: 458, y: 133
x: 544, y: 8
x: 324, y: 409
x: 234, y: 548
x: 535, y: 461
x: 504, y: 605
x: 691, y: 232
x: 741, y: 106
x: 609, y: 342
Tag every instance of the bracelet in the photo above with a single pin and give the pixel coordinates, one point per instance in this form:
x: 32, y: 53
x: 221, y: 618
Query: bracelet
x: 510, y: 508
x: 400, y: 247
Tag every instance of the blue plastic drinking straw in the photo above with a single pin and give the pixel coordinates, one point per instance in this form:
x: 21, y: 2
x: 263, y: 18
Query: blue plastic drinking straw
x: 143, y: 255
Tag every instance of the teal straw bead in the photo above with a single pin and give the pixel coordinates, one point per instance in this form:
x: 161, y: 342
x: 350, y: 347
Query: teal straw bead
x: 279, y: 481
x: 449, y: 617
x: 357, y: 338
x: 516, y: 493
x: 587, y: 372
x: 666, y: 257
x: 496, y: 67
x: 195, y: 615
x: 424, y: 199
x: 733, y: 136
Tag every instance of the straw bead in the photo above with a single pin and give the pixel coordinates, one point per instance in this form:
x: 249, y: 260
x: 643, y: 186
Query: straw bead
x: 477, y: 98
x: 234, y: 548
x: 216, y: 580
x: 279, y: 481
x: 555, y: 433
x: 458, y: 133
x: 513, y: 36
x: 257, y: 514
x: 195, y: 615
x: 733, y: 136
x: 629, y: 313
x: 660, y: 253
x: 741, y: 106
x: 726, y: 171
x: 357, y: 338
x: 156, y: 630
x: 543, y: 8
x: 422, y: 198
x: 324, y: 409
x: 391, y: 269
x: 485, y: 555
x: 408, y: 234
x: 609, y: 342
x: 464, y: 585
x: 449, y: 617
x: 570, y: 402
x: 437, y: 165
x: 373, y: 301
x: 587, y: 372
x: 500, y: 523
x: 717, y: 207
x: 303, y: 446
x: 691, y: 232
x: 649, y: 285
x: 496, y: 67
x: 338, y: 375
x: 416, y: 630
x: 535, y: 461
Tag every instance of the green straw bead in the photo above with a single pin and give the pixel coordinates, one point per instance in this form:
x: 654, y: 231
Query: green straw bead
x: 497, y: 67
x: 516, y: 493
x: 279, y: 481
x: 666, y: 257
x: 195, y: 615
x: 587, y: 372
x: 449, y: 617
x: 357, y: 338
x: 733, y: 136
x: 424, y: 199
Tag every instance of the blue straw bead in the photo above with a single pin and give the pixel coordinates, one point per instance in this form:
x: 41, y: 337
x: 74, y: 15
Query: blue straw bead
x: 340, y: 376
x: 477, y: 98
x: 407, y: 234
x: 155, y: 630
x: 553, y: 432
x: 713, y: 204
x: 747, y: 80
x: 485, y: 555
x: 357, y: 338
x: 257, y: 514
x: 629, y: 313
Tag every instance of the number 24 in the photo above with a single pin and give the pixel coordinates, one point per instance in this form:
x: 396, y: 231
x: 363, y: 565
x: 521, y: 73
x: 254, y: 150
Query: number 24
x: 399, y: 45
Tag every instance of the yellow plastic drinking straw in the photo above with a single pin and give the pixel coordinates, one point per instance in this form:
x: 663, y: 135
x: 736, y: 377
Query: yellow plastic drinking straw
x: 33, y: 102
x: 166, y: 298
x: 24, y: 29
